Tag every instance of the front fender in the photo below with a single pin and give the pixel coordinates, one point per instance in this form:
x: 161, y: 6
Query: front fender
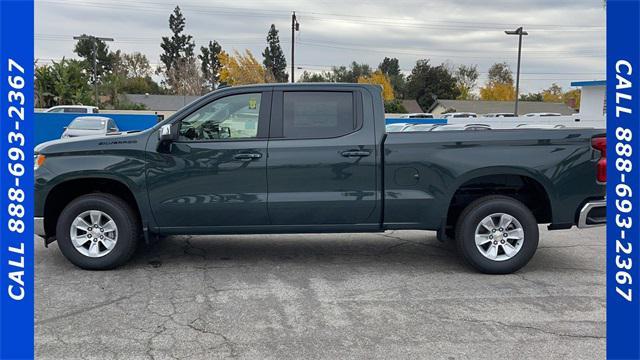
x: 126, y: 168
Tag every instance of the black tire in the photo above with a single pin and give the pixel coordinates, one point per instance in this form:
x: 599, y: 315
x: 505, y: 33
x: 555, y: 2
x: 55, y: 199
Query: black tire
x: 126, y: 221
x: 478, y: 210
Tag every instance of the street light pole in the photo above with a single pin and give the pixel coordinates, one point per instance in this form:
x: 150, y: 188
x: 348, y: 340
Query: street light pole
x: 520, y: 33
x: 94, y: 41
x: 295, y: 26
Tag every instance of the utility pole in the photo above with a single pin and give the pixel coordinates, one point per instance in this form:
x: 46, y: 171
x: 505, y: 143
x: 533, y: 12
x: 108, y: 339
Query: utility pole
x: 295, y: 26
x: 94, y: 41
x: 520, y: 33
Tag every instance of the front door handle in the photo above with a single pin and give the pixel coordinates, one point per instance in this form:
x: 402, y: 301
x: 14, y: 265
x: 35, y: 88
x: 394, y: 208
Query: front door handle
x: 355, y: 153
x: 247, y: 156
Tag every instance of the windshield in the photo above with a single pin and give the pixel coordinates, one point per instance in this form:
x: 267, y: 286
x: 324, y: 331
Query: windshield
x: 88, y: 124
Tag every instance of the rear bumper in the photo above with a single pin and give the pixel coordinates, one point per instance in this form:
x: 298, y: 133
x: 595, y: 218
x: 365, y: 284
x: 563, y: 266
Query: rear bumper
x: 38, y: 226
x: 593, y: 213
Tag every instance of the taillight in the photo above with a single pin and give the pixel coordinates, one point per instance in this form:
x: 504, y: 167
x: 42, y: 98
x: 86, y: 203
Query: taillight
x: 600, y: 144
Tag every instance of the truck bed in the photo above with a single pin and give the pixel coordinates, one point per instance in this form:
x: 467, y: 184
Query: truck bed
x: 423, y: 170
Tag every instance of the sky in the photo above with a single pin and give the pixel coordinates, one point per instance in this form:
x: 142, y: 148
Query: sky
x: 566, y: 40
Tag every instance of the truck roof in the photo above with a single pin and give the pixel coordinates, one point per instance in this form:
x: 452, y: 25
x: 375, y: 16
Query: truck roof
x: 301, y: 85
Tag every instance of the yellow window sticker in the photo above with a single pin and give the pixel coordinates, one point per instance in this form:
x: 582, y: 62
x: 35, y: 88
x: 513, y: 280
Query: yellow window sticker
x: 253, y: 103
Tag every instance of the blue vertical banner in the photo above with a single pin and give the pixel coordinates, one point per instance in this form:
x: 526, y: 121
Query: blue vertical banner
x: 623, y: 179
x: 16, y: 179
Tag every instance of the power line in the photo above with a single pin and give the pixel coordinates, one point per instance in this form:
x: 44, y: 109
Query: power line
x: 427, y: 55
x: 359, y: 19
x: 329, y: 67
x: 259, y: 41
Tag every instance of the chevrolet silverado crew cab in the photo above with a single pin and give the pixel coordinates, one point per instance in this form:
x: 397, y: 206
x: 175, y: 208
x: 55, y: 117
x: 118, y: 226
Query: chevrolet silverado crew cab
x: 314, y: 158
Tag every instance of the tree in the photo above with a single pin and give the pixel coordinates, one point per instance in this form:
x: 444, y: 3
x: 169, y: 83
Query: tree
x: 572, y: 98
x: 394, y: 107
x: 553, y: 94
x: 136, y: 65
x: 531, y: 97
x: 500, y: 73
x: 342, y: 74
x: 62, y: 83
x: 391, y: 68
x: 274, y: 60
x: 499, y: 85
x: 242, y: 69
x: 43, y: 87
x: 428, y: 83
x: 130, y: 74
x: 185, y: 77
x: 104, y: 58
x: 466, y: 79
x: 141, y: 85
x: 356, y: 71
x: 380, y: 79
x: 210, y: 64
x: 315, y: 77
x: 179, y: 45
x: 498, y: 92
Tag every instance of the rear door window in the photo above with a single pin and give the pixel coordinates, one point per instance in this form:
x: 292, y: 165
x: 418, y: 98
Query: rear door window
x: 318, y: 114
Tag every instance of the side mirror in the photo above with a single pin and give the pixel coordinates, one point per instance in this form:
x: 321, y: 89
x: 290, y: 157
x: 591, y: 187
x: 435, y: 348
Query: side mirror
x: 168, y: 133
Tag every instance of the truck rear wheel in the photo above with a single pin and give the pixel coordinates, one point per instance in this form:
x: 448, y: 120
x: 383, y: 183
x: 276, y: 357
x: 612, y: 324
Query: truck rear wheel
x: 97, y: 232
x: 497, y: 234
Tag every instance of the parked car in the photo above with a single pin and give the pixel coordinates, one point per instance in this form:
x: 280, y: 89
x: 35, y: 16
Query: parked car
x: 540, y: 126
x: 90, y: 125
x: 543, y: 114
x: 331, y: 168
x: 397, y: 127
x: 421, y: 127
x: 460, y: 115
x: 417, y: 116
x: 499, y: 115
x: 451, y: 127
x: 76, y: 109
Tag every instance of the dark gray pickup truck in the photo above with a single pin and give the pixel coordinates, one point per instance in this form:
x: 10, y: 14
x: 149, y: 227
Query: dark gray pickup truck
x: 315, y: 158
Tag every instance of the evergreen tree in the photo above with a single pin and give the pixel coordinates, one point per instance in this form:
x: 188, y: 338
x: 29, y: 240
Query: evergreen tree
x: 391, y: 68
x: 274, y: 60
x: 210, y: 64
x: 179, y: 45
x: 428, y: 83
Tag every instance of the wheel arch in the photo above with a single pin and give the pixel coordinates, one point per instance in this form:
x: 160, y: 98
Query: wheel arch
x: 71, y: 188
x: 531, y: 188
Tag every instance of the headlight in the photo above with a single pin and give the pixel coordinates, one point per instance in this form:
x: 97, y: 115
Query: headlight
x: 38, y: 160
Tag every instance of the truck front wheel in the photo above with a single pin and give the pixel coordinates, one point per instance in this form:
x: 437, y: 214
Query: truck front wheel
x: 97, y: 231
x: 497, y: 234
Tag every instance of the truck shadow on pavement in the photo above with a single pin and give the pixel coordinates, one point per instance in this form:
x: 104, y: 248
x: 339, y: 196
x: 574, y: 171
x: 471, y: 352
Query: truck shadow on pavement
x: 406, y: 248
x: 413, y: 249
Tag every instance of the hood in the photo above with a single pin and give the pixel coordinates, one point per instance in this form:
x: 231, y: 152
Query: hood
x: 92, y: 142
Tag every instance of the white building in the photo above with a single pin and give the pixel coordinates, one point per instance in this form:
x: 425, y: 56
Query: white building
x: 593, y: 104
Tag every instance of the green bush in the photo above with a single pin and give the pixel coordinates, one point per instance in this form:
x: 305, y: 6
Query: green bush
x: 395, y: 107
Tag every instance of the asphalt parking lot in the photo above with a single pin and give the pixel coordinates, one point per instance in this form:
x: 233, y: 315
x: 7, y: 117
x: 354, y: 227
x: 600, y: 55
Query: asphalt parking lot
x: 359, y: 296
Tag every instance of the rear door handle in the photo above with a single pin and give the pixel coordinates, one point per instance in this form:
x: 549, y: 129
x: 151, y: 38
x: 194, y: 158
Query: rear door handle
x: 247, y: 156
x: 355, y: 153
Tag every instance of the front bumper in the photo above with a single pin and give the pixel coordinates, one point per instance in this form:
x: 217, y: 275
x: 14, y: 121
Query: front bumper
x: 593, y: 213
x: 38, y: 226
